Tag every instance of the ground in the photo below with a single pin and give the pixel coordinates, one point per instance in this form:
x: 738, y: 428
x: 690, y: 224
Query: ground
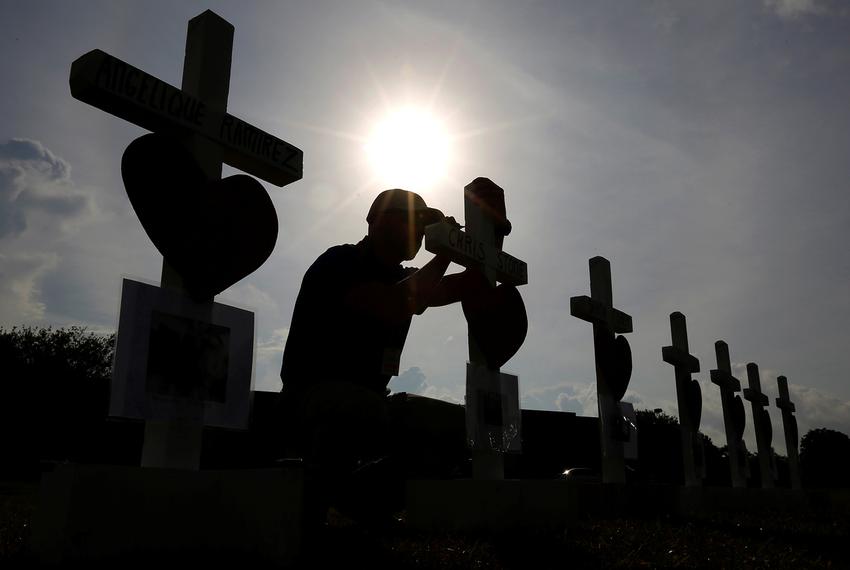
x: 741, y: 540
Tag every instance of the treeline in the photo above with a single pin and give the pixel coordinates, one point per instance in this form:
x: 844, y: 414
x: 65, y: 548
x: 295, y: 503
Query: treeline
x: 54, y: 399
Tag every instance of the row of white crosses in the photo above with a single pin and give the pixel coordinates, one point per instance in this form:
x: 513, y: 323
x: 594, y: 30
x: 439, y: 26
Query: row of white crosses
x: 689, y: 399
x: 612, y: 379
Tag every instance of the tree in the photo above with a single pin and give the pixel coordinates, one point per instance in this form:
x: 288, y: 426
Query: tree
x: 54, y: 393
x: 825, y: 458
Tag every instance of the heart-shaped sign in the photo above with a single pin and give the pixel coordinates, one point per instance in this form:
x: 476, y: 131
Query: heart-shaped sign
x: 213, y: 233
x: 694, y: 399
x: 497, y: 321
x: 739, y: 418
x: 793, y: 432
x: 766, y: 426
x: 616, y: 365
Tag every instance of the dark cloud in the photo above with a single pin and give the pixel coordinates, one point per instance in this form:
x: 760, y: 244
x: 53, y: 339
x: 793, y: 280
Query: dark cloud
x: 35, y: 155
x: 577, y: 398
x: 28, y: 175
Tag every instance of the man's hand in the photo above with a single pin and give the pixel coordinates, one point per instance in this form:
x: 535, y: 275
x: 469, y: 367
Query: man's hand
x: 452, y: 222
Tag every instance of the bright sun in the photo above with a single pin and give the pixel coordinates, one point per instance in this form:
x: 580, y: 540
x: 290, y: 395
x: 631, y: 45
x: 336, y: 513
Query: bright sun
x: 410, y: 149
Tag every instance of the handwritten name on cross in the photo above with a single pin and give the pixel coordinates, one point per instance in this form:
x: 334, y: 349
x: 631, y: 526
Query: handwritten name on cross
x: 789, y: 422
x: 492, y: 398
x: 196, y: 115
x: 689, y: 398
x: 734, y: 419
x: 761, y: 423
x: 199, y: 108
x: 469, y: 249
x: 612, y: 374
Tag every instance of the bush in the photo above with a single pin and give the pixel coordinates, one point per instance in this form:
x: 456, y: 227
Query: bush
x: 54, y: 393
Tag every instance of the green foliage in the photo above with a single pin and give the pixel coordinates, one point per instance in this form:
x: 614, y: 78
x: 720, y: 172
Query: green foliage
x: 71, y: 352
x: 655, y: 417
x: 54, y: 392
x: 825, y: 458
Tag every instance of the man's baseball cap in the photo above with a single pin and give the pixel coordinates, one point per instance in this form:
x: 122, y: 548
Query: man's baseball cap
x: 403, y: 201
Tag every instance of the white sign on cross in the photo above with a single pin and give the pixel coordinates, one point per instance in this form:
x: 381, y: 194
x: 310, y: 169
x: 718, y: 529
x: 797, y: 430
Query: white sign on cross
x: 197, y: 115
x: 492, y: 398
x: 611, y: 381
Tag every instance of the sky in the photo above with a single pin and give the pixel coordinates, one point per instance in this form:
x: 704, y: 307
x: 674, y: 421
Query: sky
x: 701, y: 147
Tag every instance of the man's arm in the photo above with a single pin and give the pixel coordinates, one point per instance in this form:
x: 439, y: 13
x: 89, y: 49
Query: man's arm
x: 457, y: 286
x: 398, y: 301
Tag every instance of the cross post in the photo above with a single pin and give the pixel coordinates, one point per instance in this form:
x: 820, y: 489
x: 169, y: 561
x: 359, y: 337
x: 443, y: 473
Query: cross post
x: 196, y: 115
x: 611, y: 377
x: 733, y: 413
x: 689, y: 398
x: 789, y: 422
x: 492, y: 397
x: 761, y: 423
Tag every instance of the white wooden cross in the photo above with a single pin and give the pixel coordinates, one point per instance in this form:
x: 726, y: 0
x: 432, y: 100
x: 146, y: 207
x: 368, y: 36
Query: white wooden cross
x: 761, y: 423
x: 607, y: 321
x: 722, y: 377
x: 789, y: 422
x: 688, y: 397
x: 197, y: 115
x: 492, y: 397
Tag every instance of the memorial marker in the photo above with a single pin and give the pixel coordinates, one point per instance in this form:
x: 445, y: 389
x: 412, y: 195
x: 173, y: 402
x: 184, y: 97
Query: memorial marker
x: 789, y: 422
x: 120, y: 89
x: 689, y: 398
x: 762, y: 425
x: 492, y: 397
x: 195, y: 116
x: 613, y: 364
x: 734, y: 419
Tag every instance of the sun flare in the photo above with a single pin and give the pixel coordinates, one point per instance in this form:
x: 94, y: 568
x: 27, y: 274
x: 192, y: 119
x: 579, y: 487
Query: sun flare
x: 409, y: 148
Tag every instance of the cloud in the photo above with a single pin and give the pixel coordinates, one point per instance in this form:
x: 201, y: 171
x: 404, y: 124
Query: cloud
x: 20, y: 275
x: 33, y: 155
x: 816, y: 409
x: 35, y: 187
x: 793, y: 9
x: 568, y: 397
x: 268, y: 356
x: 413, y: 381
x: 39, y: 206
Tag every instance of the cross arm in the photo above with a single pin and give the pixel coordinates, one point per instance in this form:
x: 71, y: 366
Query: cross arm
x: 785, y: 405
x: 116, y: 87
x: 446, y: 239
x: 756, y: 397
x: 592, y: 311
x: 679, y: 358
x: 725, y: 380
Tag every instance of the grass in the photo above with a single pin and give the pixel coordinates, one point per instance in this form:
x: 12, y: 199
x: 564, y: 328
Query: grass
x: 739, y: 540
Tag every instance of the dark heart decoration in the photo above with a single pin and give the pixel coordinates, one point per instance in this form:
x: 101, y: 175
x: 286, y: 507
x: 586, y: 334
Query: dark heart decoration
x: 694, y: 399
x: 698, y: 447
x: 497, y: 321
x: 767, y: 427
x: 743, y: 460
x: 739, y: 419
x: 213, y: 233
x: 616, y: 364
x: 793, y: 432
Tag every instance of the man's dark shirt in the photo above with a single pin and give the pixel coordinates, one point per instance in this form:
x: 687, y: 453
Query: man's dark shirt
x: 329, y: 341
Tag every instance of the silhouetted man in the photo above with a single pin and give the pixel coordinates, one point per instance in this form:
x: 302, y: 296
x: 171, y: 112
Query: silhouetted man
x: 348, y: 330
